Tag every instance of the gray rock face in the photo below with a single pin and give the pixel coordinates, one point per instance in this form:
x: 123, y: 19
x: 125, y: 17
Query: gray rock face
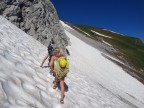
x: 38, y: 18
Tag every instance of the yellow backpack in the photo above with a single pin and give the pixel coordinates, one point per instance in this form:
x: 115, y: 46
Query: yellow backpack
x: 59, y: 73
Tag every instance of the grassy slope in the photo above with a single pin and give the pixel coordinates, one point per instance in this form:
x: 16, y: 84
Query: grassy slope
x: 131, y: 48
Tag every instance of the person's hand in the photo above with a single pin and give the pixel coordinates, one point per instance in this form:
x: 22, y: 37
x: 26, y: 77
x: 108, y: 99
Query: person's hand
x: 54, y: 73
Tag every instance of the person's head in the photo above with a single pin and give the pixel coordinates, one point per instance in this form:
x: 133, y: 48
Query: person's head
x: 57, y: 51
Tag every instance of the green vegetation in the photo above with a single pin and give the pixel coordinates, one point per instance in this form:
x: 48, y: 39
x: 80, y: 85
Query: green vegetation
x: 131, y: 48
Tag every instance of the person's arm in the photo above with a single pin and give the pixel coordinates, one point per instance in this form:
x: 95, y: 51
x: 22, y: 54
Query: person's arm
x: 51, y: 66
x: 46, y: 56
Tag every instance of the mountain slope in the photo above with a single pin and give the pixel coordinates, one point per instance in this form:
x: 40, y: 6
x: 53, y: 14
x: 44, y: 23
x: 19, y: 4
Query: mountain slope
x: 128, y: 49
x: 101, y: 70
x: 119, y: 41
x: 93, y: 84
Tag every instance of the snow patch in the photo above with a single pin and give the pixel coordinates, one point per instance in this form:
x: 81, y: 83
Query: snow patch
x: 113, y: 32
x: 100, y: 34
x: 106, y: 43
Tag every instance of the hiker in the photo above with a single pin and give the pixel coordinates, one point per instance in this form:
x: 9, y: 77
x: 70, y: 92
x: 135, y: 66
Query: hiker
x: 60, y: 68
x: 49, y: 54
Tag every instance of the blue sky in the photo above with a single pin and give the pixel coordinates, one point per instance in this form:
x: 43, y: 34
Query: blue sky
x: 121, y: 16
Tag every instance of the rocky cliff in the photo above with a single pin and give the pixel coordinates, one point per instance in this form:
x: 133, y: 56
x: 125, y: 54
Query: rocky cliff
x: 37, y: 18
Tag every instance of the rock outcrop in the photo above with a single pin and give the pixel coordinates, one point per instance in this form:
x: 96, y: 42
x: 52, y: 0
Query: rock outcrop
x: 37, y: 18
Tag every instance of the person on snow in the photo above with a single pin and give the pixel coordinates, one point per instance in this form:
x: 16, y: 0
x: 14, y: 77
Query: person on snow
x: 60, y: 68
x: 49, y: 54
